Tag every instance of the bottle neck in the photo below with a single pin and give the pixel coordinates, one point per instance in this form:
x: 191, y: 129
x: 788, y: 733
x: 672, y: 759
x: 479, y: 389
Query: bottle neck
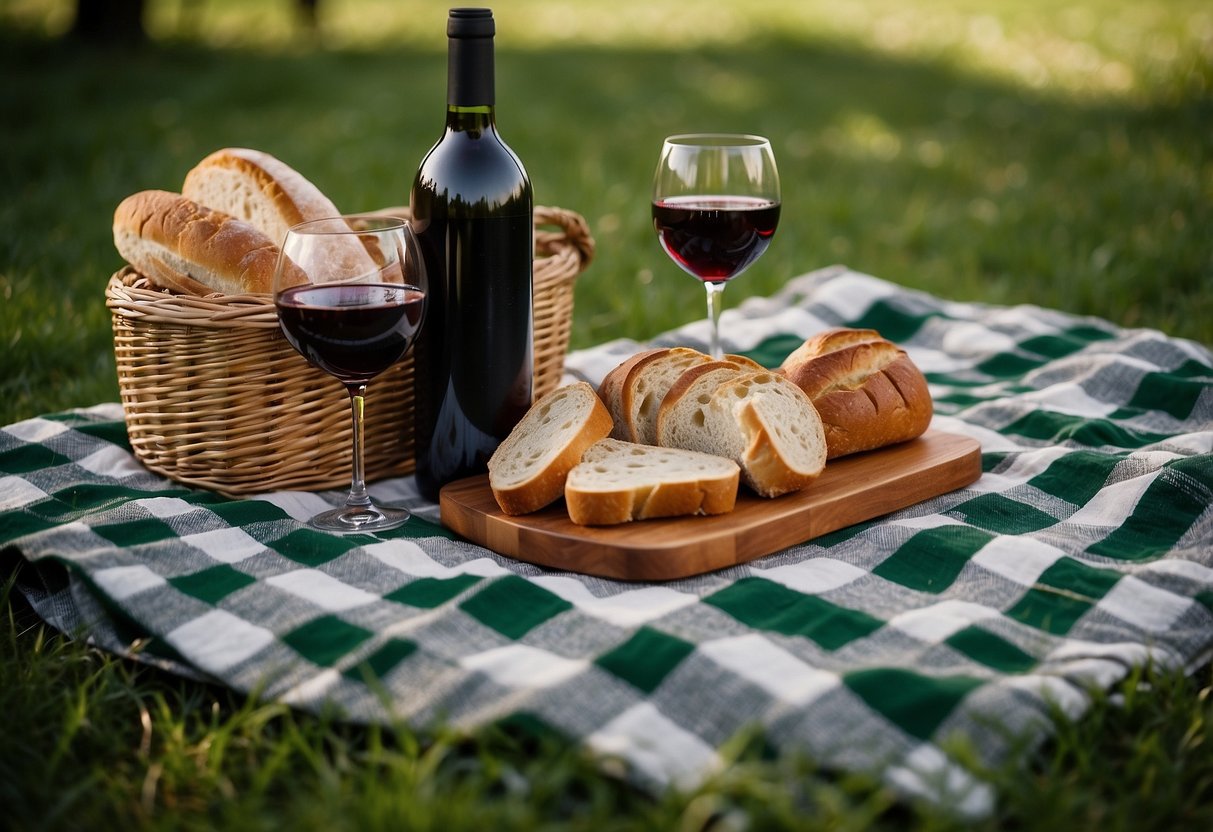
x: 470, y: 81
x: 474, y: 120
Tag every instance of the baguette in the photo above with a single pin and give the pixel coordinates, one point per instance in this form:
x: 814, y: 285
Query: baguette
x: 618, y: 482
x: 761, y: 421
x: 868, y: 392
x: 528, y: 469
x: 256, y: 187
x: 272, y: 197
x: 180, y: 245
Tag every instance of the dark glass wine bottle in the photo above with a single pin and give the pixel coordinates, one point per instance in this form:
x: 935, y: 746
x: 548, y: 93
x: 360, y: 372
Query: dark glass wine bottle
x: 472, y: 210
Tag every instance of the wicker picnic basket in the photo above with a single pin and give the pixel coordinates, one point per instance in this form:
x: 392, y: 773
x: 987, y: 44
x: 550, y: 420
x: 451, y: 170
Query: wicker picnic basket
x: 215, y: 397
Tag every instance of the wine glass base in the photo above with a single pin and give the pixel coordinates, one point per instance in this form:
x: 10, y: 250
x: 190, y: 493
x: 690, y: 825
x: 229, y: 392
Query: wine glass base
x: 356, y: 519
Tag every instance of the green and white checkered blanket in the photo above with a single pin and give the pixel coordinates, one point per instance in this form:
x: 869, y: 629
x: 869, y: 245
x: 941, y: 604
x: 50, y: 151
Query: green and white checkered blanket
x: 1085, y: 549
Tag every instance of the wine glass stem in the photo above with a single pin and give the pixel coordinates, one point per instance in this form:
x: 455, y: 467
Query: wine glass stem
x: 715, y: 290
x: 358, y: 497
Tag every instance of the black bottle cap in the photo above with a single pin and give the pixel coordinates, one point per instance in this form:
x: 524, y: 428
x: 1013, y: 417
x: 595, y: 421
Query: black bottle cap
x: 470, y: 58
x: 470, y: 23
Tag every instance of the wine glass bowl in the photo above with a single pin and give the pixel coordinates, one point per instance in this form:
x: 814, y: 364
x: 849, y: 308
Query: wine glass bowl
x: 716, y: 205
x: 351, y: 296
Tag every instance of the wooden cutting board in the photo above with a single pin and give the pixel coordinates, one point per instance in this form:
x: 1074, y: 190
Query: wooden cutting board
x: 850, y: 490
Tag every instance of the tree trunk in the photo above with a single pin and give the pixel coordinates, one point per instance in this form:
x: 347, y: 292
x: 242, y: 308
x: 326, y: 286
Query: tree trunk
x: 109, y: 21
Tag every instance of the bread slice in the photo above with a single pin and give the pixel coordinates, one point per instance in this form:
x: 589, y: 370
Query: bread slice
x: 617, y: 482
x: 868, y: 392
x: 528, y: 469
x: 258, y: 188
x: 682, y: 409
x: 180, y: 245
x: 646, y: 385
x: 763, y: 422
x: 634, y: 390
x: 610, y: 390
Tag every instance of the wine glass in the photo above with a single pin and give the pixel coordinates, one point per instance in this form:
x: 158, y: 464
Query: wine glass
x: 715, y: 208
x: 351, y: 295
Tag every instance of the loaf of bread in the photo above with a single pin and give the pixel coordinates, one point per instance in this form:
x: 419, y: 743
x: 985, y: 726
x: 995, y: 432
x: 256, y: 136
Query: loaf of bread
x: 618, y: 482
x: 222, y: 234
x: 868, y: 392
x: 761, y: 421
x: 178, y: 244
x: 528, y: 469
x: 258, y: 188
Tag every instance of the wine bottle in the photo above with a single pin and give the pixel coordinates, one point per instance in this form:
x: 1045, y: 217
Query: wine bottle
x: 472, y: 209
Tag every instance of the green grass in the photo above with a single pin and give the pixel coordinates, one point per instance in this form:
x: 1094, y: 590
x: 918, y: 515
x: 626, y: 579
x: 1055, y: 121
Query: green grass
x: 1014, y: 152
x: 997, y: 158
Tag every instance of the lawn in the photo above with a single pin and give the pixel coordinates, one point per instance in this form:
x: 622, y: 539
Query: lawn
x: 1010, y: 152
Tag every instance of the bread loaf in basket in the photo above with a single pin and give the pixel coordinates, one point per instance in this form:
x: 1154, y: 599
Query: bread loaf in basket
x: 214, y: 397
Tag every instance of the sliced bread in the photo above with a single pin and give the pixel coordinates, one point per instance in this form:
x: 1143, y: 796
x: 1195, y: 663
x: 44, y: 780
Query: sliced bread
x: 617, y: 482
x: 646, y: 385
x: 528, y: 469
x: 610, y: 390
x: 763, y: 422
x: 684, y: 401
x: 634, y: 390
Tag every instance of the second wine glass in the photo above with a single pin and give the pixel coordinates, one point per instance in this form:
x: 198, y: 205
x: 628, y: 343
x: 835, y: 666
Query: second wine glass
x: 351, y: 296
x: 716, y: 204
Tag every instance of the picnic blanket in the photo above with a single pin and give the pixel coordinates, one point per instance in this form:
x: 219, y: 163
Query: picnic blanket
x: 1084, y: 550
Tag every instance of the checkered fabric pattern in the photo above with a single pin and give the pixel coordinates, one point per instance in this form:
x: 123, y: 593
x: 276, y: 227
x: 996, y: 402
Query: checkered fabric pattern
x: 1084, y: 550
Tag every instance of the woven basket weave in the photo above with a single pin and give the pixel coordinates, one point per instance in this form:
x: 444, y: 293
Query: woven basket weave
x: 215, y: 397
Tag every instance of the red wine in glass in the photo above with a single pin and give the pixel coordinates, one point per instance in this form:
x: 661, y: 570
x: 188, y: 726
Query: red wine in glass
x: 351, y: 331
x: 715, y: 238
x: 351, y: 295
x: 716, y: 203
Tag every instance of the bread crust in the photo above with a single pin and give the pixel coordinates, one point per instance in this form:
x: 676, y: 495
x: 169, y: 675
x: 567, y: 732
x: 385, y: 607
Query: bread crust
x: 744, y: 362
x: 597, y: 508
x: 673, y: 498
x: 868, y: 392
x: 180, y: 245
x: 893, y: 405
x: 830, y: 340
x: 547, y: 485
